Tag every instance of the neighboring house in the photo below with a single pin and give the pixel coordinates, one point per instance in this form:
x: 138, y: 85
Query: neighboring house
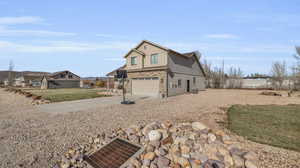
x: 61, y: 79
x: 114, y: 83
x: 28, y: 80
x: 6, y: 82
x: 257, y: 82
x: 157, y: 71
x: 260, y: 82
x: 22, y: 78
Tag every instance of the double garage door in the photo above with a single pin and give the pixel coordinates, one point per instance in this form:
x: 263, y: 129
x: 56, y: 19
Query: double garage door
x: 145, y: 86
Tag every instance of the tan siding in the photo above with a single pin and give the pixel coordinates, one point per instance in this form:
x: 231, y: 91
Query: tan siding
x: 139, y: 61
x: 150, y: 49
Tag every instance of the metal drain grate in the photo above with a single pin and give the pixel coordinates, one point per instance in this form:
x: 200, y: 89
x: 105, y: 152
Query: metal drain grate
x: 113, y: 155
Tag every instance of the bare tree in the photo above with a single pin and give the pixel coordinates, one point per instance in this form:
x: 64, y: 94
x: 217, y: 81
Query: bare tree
x: 296, y: 70
x: 298, y: 51
x: 279, y: 74
x: 10, y: 73
x: 235, y: 76
x: 217, y: 78
x: 208, y: 72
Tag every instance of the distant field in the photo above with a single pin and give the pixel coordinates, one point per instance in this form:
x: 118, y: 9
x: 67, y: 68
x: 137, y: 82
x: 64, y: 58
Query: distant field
x: 277, y: 125
x: 59, y: 95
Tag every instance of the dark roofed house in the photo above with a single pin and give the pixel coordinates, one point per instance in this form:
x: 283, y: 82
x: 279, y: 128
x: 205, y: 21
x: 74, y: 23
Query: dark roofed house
x: 61, y: 79
x: 114, y: 83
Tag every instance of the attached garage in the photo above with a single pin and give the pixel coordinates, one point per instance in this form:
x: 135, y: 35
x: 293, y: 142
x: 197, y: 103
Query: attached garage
x: 145, y: 86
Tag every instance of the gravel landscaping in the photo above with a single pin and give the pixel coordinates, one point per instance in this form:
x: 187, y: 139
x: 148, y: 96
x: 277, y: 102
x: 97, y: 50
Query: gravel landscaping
x: 167, y: 144
x: 33, y: 138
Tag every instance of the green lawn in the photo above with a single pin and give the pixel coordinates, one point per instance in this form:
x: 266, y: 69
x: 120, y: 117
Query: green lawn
x: 59, y: 95
x: 268, y: 124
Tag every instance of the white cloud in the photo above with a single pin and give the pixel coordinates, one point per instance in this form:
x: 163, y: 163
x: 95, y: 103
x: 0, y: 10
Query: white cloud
x: 105, y: 35
x: 114, y: 59
x: 62, y: 46
x: 112, y: 36
x: 20, y: 20
x: 230, y: 48
x: 221, y: 36
x: 12, y: 32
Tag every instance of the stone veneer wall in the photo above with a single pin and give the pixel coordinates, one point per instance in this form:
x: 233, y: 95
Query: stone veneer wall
x: 162, y: 75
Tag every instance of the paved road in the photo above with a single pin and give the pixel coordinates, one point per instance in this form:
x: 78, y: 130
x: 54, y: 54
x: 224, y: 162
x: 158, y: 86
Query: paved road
x: 86, y: 104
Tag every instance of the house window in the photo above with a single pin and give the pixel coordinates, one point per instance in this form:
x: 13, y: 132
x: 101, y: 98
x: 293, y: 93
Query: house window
x: 133, y: 60
x: 154, y: 59
x: 145, y: 47
x: 194, y: 80
x: 179, y: 83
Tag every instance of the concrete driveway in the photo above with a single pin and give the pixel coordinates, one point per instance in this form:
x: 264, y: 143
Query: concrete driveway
x: 85, y: 104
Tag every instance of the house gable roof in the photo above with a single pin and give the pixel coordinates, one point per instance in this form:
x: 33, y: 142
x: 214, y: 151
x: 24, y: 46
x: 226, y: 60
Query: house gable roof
x: 59, y: 72
x: 112, y: 73
x: 134, y: 50
x: 195, y: 54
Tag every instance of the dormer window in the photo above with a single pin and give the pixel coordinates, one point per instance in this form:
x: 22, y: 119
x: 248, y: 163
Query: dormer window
x: 154, y: 59
x: 133, y: 60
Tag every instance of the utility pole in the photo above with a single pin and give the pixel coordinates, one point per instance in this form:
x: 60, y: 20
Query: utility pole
x: 223, y: 75
x: 10, y: 72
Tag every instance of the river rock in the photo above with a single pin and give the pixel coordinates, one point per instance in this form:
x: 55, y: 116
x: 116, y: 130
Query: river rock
x: 150, y: 148
x: 198, y: 126
x: 149, y: 155
x: 238, y: 161
x: 250, y: 156
x: 213, y: 164
x: 163, y: 161
x: 250, y: 164
x: 146, y: 162
x: 154, y: 135
x: 183, y: 162
x: 153, y: 165
x: 211, y: 137
x: 162, y: 151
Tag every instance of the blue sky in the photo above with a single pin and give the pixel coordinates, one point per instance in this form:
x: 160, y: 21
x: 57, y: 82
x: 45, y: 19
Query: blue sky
x: 91, y: 37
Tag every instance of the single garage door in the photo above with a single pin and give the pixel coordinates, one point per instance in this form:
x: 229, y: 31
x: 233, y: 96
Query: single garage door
x: 145, y: 86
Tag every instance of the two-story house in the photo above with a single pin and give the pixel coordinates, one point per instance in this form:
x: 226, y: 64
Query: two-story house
x: 157, y: 71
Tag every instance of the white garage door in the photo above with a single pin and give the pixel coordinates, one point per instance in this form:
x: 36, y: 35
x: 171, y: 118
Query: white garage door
x: 145, y: 86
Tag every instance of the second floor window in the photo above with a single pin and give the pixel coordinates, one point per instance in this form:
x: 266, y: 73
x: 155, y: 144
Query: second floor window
x: 133, y: 60
x: 154, y: 59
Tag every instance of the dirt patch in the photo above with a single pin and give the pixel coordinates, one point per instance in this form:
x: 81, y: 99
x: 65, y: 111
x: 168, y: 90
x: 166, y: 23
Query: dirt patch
x: 266, y: 93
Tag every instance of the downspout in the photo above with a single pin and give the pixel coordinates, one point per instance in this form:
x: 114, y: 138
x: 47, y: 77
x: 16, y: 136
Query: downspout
x: 167, y: 78
x: 167, y: 83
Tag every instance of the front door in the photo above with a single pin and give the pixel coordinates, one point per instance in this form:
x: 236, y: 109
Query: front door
x: 187, y: 85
